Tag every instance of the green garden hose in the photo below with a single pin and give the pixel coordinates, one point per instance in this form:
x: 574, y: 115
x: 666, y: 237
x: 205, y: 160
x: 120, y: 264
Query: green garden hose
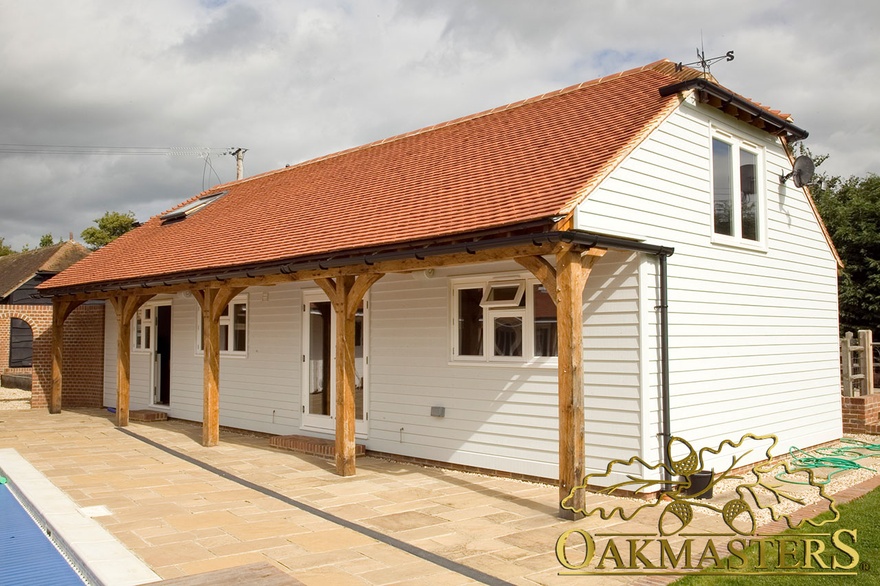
x: 839, y: 459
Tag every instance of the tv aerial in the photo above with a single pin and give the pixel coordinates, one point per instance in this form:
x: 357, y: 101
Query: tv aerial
x: 802, y: 171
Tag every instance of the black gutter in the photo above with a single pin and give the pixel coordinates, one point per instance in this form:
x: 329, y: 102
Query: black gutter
x: 794, y: 133
x: 585, y: 239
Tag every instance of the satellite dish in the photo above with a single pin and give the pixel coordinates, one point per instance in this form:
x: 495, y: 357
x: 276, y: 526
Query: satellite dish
x: 802, y: 172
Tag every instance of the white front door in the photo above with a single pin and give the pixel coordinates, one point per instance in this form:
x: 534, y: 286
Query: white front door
x: 319, y: 364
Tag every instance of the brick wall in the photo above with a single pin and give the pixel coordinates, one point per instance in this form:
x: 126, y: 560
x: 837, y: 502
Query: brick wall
x: 83, y: 364
x: 861, y: 414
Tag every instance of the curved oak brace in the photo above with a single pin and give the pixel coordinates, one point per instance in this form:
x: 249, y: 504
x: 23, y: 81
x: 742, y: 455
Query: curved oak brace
x: 543, y: 271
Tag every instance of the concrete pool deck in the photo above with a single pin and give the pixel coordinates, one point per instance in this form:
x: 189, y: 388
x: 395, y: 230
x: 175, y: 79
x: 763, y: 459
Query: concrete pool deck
x: 184, y: 509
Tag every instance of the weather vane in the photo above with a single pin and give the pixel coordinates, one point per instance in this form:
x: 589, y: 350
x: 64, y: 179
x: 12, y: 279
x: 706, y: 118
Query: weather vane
x: 705, y: 63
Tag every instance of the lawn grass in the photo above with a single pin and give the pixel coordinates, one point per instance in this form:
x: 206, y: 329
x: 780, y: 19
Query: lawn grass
x: 862, y: 514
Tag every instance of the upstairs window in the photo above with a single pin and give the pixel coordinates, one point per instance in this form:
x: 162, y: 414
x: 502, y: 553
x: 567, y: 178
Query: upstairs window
x: 504, y: 321
x: 737, y: 201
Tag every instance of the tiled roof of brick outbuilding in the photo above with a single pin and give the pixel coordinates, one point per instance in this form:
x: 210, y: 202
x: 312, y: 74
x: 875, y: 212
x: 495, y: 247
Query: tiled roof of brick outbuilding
x: 528, y: 161
x: 18, y: 269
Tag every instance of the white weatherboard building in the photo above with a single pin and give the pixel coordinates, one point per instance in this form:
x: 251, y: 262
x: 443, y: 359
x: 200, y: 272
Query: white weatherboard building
x: 537, y: 289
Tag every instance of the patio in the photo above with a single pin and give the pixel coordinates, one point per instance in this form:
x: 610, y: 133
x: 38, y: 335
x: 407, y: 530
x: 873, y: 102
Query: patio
x: 186, y: 509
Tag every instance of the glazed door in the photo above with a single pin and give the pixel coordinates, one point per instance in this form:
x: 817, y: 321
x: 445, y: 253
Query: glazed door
x: 162, y: 356
x: 319, y: 365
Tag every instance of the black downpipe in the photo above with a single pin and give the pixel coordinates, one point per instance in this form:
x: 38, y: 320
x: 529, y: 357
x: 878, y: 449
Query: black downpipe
x: 666, y: 432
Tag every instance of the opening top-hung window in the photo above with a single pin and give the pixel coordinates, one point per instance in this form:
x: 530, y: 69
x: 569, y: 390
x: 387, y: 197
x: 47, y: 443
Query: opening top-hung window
x: 503, y: 320
x: 737, y: 204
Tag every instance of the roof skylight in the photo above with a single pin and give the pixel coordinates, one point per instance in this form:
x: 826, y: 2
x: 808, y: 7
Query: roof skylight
x: 192, y: 207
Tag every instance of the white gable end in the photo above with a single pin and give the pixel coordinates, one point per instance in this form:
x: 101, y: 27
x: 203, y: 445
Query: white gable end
x: 752, y: 325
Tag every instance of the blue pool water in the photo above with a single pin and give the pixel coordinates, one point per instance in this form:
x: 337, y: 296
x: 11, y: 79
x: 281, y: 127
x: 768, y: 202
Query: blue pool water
x: 27, y: 556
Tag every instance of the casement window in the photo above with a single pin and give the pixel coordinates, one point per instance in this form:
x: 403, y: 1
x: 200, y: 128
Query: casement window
x: 233, y: 328
x: 502, y: 320
x: 142, y: 329
x: 737, y: 198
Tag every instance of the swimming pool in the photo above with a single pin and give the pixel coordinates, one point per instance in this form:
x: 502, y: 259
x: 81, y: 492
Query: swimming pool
x: 99, y: 556
x: 27, y: 556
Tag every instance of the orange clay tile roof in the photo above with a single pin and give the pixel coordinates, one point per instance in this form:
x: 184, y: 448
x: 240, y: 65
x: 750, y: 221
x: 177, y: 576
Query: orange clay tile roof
x: 527, y: 161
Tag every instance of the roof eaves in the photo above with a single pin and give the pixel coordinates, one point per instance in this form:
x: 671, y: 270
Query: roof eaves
x: 788, y: 130
x: 358, y: 259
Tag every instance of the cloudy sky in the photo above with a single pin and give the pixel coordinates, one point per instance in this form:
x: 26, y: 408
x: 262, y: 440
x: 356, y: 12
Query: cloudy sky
x: 294, y: 79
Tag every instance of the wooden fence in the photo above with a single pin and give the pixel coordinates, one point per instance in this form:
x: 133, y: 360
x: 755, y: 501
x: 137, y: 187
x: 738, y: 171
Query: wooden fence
x: 857, y: 364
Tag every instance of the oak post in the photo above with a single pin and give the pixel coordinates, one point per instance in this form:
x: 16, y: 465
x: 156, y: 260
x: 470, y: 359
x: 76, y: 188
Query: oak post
x: 345, y: 294
x: 572, y: 271
x: 212, y: 302
x: 61, y: 310
x: 210, y: 374
x: 345, y: 391
x: 126, y: 307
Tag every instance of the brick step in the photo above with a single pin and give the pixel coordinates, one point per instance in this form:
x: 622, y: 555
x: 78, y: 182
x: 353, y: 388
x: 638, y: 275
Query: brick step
x: 310, y: 445
x: 147, y: 415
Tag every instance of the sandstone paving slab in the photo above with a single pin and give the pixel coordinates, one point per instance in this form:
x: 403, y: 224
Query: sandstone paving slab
x: 239, y: 546
x: 212, y: 542
x: 535, y: 540
x: 305, y: 560
x: 330, y: 540
x: 184, y: 538
x: 172, y: 554
x: 430, y: 573
x: 130, y: 539
x: 221, y: 563
x: 356, y: 512
x: 390, y: 556
x: 485, y: 510
x: 404, y: 521
x: 262, y: 530
x: 191, y: 521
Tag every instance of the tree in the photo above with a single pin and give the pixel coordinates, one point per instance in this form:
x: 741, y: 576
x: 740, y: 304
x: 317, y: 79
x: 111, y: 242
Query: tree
x: 5, y: 249
x: 851, y: 211
x: 110, y: 226
x: 46, y: 240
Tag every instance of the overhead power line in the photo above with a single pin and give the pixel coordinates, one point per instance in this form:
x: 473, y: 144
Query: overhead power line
x: 50, y: 149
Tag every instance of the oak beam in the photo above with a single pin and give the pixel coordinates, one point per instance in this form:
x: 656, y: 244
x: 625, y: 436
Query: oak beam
x: 362, y: 267
x: 61, y: 310
x: 125, y: 307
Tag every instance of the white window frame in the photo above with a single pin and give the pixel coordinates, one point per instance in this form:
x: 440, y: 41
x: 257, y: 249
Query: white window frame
x: 738, y: 145
x: 492, y: 310
x: 143, y: 326
x: 226, y: 320
x: 486, y: 301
